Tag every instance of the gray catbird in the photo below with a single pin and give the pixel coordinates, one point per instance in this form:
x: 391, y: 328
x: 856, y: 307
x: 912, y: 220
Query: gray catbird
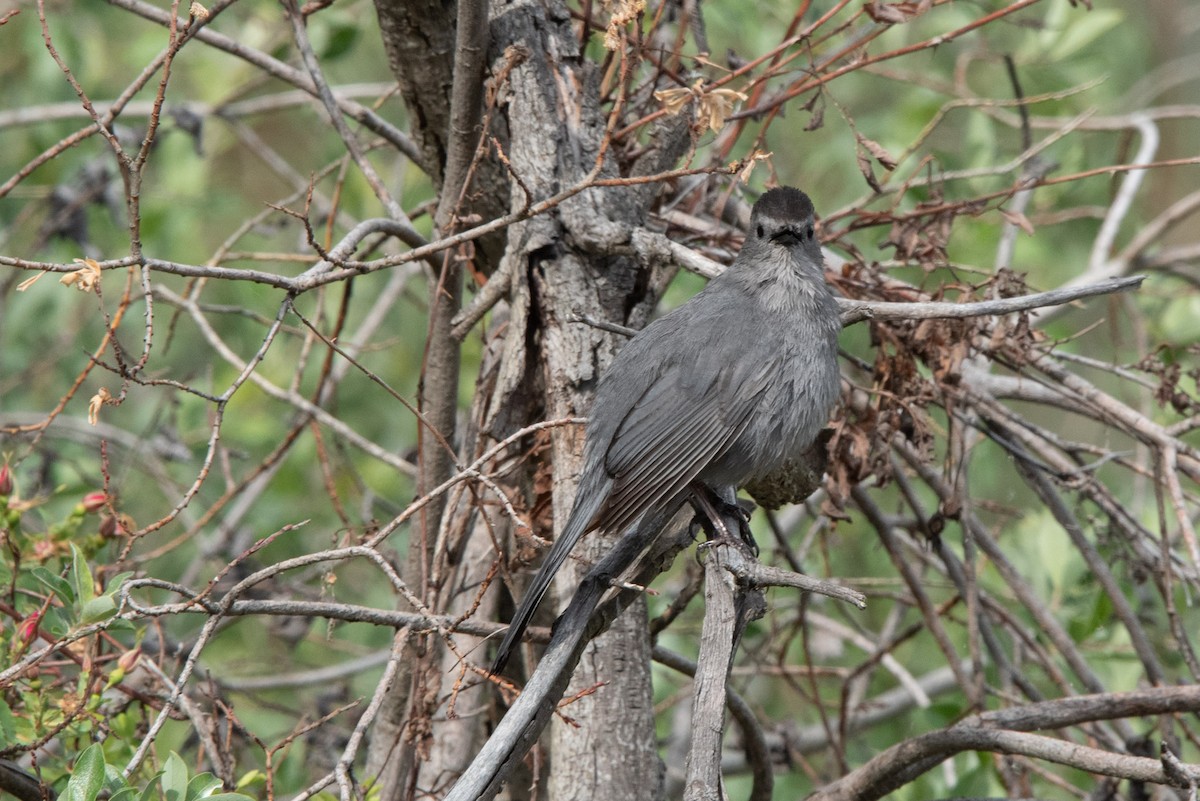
x: 722, y: 390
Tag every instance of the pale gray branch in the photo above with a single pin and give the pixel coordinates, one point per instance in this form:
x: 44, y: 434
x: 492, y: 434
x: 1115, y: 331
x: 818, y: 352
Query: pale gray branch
x: 757, y: 574
x: 1001, y: 732
x: 854, y: 311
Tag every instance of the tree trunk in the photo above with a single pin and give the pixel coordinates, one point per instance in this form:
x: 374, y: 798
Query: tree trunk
x: 551, y: 124
x: 557, y: 127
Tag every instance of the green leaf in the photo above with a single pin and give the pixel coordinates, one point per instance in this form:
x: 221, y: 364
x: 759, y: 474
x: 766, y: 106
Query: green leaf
x: 251, y: 777
x: 56, y: 584
x: 8, y: 725
x: 97, y: 609
x: 55, y: 623
x: 202, y: 785
x: 114, y: 583
x: 1083, y: 30
x: 175, y: 778
x: 114, y: 781
x: 339, y: 40
x: 1083, y: 627
x: 148, y: 792
x: 81, y: 577
x: 88, y: 776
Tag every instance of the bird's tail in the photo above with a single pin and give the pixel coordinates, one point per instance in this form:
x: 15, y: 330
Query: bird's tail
x: 577, y: 524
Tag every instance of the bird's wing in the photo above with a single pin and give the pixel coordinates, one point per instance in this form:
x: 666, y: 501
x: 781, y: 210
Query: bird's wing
x: 687, y: 417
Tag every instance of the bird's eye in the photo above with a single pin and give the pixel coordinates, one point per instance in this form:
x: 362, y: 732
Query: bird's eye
x: 760, y: 232
x: 808, y: 232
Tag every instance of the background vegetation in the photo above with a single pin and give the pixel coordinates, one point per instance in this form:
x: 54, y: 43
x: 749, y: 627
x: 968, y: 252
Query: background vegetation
x: 209, y: 546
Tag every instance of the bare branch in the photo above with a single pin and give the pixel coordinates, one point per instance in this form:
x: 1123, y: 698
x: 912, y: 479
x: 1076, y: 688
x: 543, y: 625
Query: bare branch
x: 1002, y: 732
x: 856, y: 311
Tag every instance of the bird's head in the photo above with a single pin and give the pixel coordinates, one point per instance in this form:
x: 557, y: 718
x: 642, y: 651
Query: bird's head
x: 783, y: 218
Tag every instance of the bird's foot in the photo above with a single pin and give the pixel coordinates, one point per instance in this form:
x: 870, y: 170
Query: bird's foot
x: 717, y: 516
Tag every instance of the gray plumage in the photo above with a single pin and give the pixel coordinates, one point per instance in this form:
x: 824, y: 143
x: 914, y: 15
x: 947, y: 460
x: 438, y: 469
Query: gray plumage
x: 723, y: 390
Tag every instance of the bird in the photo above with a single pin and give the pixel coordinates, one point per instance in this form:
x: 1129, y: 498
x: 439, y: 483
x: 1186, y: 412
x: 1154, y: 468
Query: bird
x: 722, y: 390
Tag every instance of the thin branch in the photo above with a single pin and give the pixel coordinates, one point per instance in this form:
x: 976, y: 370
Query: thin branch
x: 1003, y: 732
x: 854, y: 311
x: 286, y: 73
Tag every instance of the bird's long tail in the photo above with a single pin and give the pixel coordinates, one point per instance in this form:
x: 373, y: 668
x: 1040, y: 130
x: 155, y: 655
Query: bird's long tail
x: 577, y: 524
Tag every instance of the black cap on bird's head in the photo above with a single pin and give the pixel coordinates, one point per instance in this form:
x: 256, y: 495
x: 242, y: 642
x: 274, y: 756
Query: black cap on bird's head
x: 784, y: 203
x: 784, y: 216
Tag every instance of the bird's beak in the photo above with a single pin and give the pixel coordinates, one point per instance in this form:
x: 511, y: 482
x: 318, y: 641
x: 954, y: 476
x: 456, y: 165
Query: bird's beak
x: 787, y: 237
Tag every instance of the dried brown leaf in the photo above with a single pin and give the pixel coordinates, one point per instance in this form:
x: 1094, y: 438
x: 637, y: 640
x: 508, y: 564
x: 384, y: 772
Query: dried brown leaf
x: 86, y: 278
x: 877, y: 150
x: 864, y: 166
x: 101, y: 397
x: 1018, y: 219
x: 625, y: 12
x: 717, y: 105
x: 896, y: 13
x: 673, y: 100
x: 749, y: 163
x: 28, y: 282
x: 817, y: 120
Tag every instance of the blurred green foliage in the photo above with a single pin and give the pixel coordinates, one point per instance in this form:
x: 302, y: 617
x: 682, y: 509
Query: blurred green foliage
x: 198, y: 191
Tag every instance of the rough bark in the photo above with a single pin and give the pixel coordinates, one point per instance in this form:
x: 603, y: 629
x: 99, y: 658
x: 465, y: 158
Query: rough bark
x: 548, y: 107
x: 418, y: 36
x: 437, y: 59
x: 557, y: 127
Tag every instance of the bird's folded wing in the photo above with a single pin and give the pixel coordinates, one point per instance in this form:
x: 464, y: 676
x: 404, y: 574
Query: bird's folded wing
x: 654, y: 455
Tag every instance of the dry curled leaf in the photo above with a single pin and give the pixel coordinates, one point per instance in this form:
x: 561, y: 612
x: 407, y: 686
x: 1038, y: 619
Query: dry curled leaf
x: 817, y: 120
x: 198, y: 11
x: 924, y: 235
x: 943, y: 345
x: 715, y: 105
x: 896, y: 13
x: 864, y: 166
x: 28, y: 282
x: 673, y: 100
x: 748, y: 164
x: 625, y: 12
x: 878, y: 152
x: 101, y: 397
x: 848, y: 462
x: 86, y: 278
x: 1018, y: 219
x: 1171, y: 391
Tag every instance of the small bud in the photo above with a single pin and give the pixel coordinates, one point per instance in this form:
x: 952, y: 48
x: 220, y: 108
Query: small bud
x: 129, y: 659
x: 44, y: 550
x: 6, y: 482
x: 28, y: 629
x: 70, y: 703
x: 94, y: 501
x: 108, y: 527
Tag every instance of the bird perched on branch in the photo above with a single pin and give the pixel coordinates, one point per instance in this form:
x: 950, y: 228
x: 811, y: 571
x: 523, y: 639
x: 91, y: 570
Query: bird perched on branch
x: 725, y: 389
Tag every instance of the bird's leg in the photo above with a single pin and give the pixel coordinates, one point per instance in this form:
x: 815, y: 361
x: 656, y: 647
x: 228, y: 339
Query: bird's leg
x: 715, y: 507
x: 704, y: 501
x: 739, y: 511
